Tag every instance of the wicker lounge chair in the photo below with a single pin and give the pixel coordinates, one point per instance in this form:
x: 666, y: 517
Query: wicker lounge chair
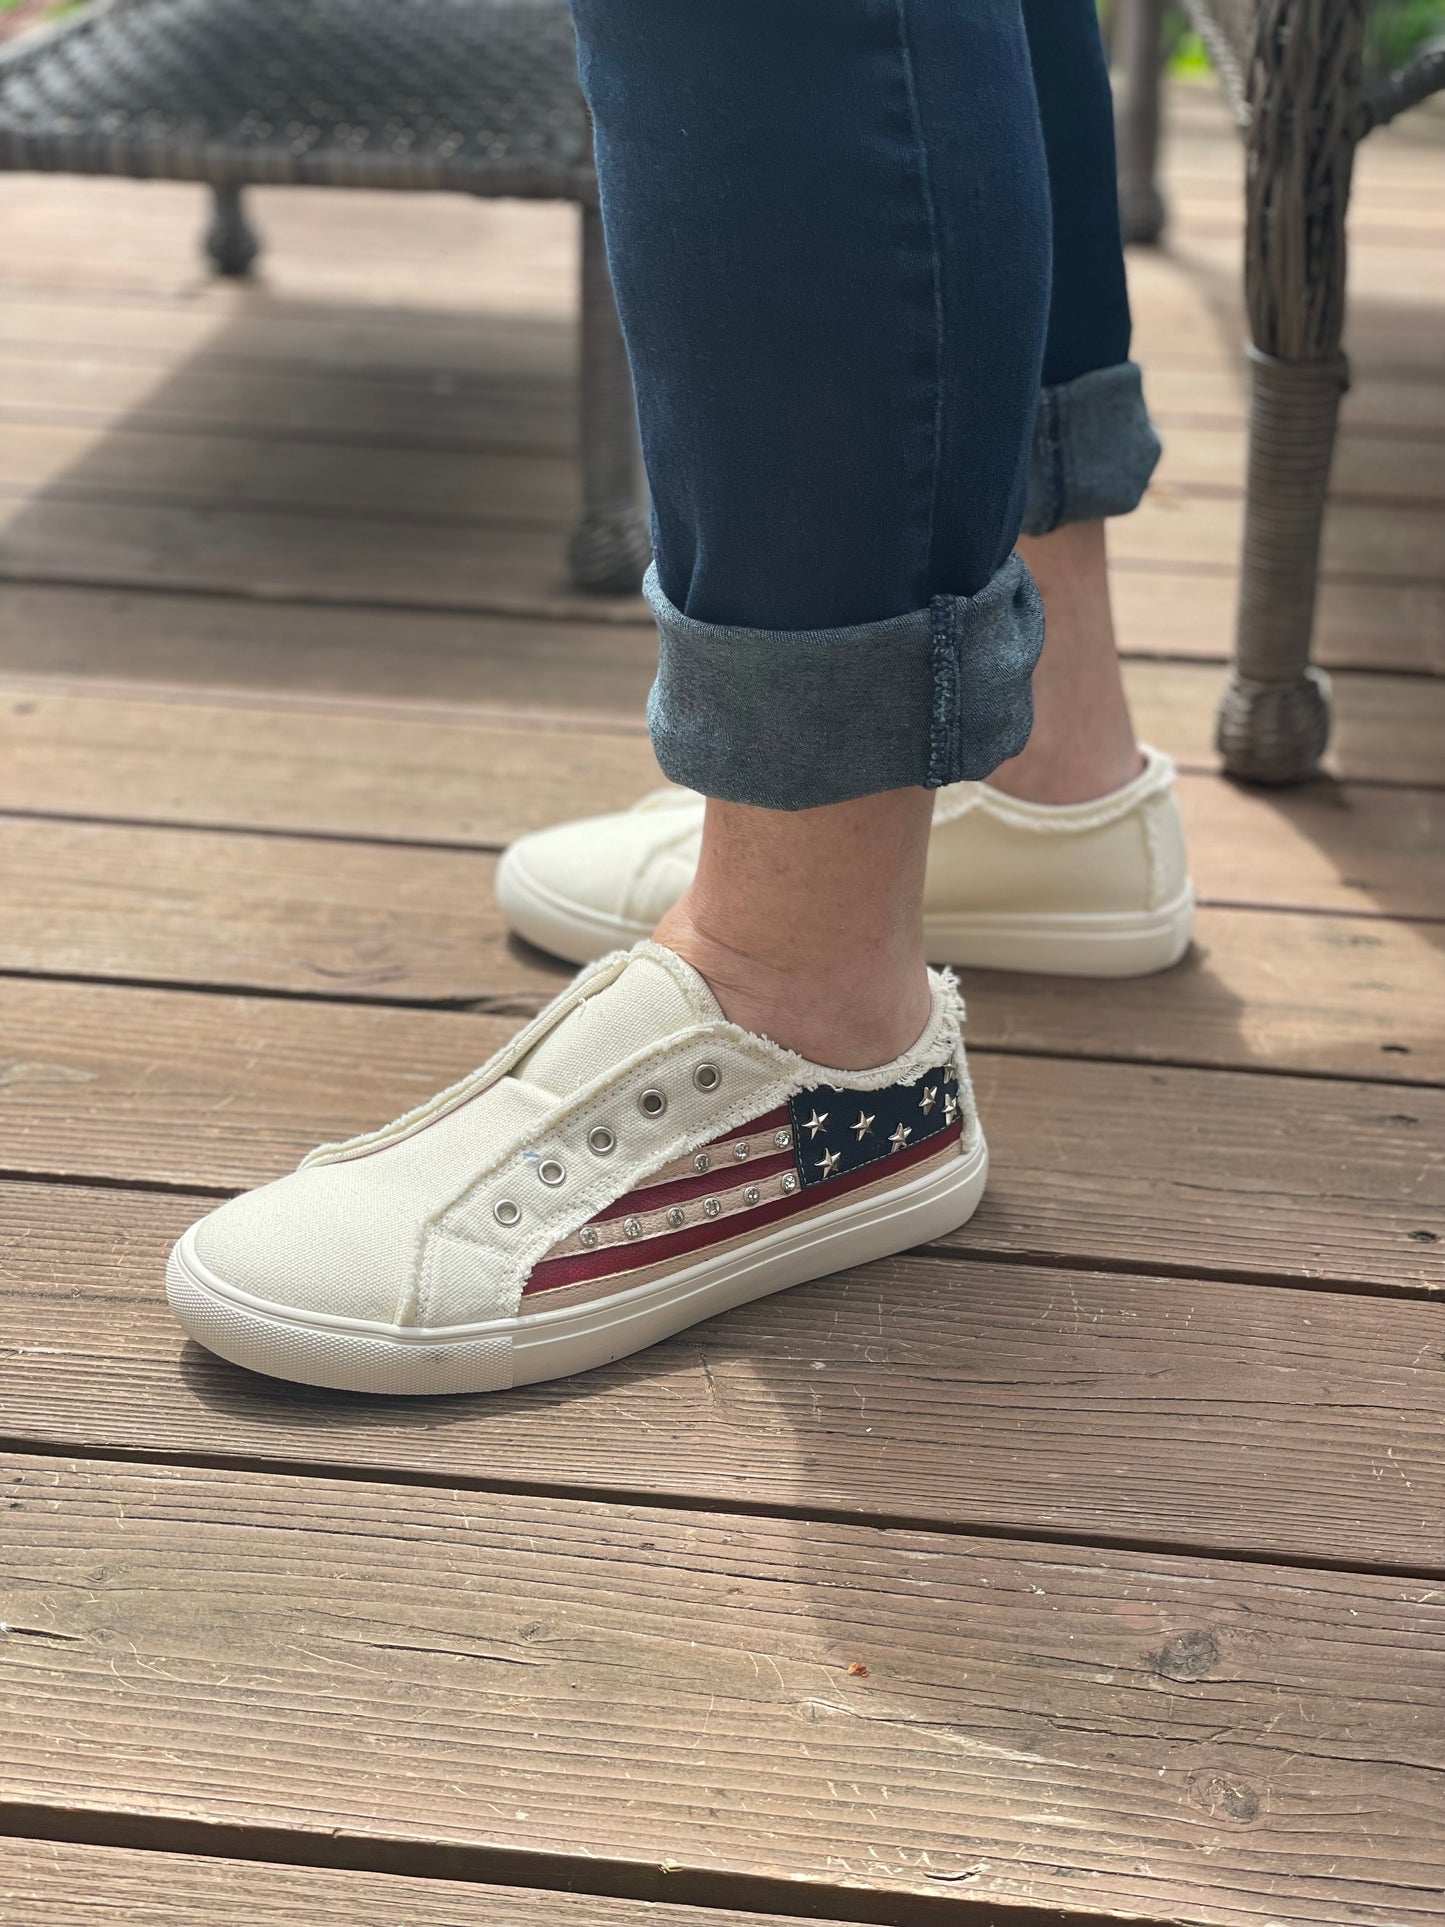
x: 1293, y: 74
x: 474, y: 96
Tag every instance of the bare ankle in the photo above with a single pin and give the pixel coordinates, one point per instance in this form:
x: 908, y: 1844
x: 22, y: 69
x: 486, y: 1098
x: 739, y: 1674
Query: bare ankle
x: 1083, y: 743
x: 848, y: 1014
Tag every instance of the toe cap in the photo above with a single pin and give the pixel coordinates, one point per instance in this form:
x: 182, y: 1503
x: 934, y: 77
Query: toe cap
x: 324, y: 1240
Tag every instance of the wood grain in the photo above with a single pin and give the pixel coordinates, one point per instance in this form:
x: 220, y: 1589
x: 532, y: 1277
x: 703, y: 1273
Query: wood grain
x: 392, y: 771
x: 56, y: 1884
x: 204, y: 643
x: 1328, y: 995
x: 307, y: 916
x: 272, y: 554
x: 1164, y: 607
x: 1365, y: 850
x: 605, y: 669
x: 227, y: 430
x: 1209, y: 1417
x: 469, y: 777
x: 1149, y: 1168
x: 527, y: 1676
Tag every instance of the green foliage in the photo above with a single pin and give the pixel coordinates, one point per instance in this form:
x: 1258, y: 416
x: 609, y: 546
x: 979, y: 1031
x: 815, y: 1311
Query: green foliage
x: 1397, y: 30
x: 1398, y: 27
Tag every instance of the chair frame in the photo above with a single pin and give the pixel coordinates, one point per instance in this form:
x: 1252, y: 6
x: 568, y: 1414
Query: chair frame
x: 1302, y: 102
x: 608, y: 547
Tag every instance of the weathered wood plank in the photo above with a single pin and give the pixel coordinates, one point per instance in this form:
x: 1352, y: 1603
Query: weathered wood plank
x: 274, y: 554
x: 1189, y: 332
x: 277, y: 555
x: 1111, y: 1164
x: 393, y: 477
x: 278, y: 913
x: 1332, y: 995
x: 429, y: 655
x: 386, y: 771
x: 48, y: 1883
x: 1164, y: 608
x: 458, y: 418
x: 1385, y: 728
x: 478, y: 777
x: 213, y: 434
x: 1205, y: 1416
x: 221, y: 643
x: 528, y: 1676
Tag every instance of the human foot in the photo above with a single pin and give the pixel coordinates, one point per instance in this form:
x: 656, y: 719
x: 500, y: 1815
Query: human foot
x: 1099, y: 889
x: 630, y: 1164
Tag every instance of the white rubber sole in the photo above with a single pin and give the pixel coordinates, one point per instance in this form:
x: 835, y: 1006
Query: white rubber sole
x: 1132, y: 943
x: 358, y: 1356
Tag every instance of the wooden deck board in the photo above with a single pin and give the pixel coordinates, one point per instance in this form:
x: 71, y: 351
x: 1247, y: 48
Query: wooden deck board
x: 286, y: 657
x: 495, y: 567
x: 55, y: 1884
x: 1107, y: 1164
x: 1356, y: 997
x: 970, y: 1395
x: 447, y: 775
x: 532, y: 1676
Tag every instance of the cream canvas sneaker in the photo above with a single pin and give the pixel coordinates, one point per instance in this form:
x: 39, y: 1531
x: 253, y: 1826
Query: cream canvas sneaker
x: 629, y: 1164
x: 1098, y: 889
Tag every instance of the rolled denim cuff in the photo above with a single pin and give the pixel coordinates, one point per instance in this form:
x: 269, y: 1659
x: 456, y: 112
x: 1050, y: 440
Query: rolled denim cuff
x: 1094, y: 449
x: 791, y: 719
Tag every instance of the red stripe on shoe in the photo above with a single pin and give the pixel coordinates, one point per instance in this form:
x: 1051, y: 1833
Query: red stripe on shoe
x: 551, y: 1273
x: 658, y: 1196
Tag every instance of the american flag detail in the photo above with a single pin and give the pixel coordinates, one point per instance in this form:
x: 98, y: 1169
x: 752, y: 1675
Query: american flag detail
x: 794, y: 1160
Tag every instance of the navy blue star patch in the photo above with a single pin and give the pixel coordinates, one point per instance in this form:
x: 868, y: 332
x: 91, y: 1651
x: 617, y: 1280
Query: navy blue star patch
x: 837, y: 1132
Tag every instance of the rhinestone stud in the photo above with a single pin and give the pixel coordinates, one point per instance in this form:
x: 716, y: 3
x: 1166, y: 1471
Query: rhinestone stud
x: 633, y: 1227
x: 550, y: 1171
x: 783, y: 1140
x: 702, y: 1162
x: 652, y: 1103
x: 752, y: 1195
x: 707, y: 1077
x: 740, y: 1151
x: 587, y: 1236
x: 676, y: 1217
x: 507, y: 1211
x: 600, y: 1141
x: 711, y: 1208
x: 790, y: 1183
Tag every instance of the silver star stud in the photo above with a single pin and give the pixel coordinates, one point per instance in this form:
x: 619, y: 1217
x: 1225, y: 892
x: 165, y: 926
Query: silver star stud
x: 900, y: 1137
x: 863, y: 1126
x: 816, y: 1122
x: 928, y: 1099
x: 828, y: 1161
x: 950, y: 1107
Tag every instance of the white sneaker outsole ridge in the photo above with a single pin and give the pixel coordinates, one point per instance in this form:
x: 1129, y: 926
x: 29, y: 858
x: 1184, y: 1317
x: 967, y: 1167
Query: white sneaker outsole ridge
x: 317, y: 1348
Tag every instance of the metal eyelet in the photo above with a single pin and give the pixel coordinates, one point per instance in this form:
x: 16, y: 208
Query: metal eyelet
x: 752, y: 1195
x: 702, y: 1162
x: 652, y: 1103
x: 633, y: 1227
x: 740, y: 1151
x: 587, y: 1236
x: 600, y: 1141
x: 507, y: 1211
x: 676, y: 1217
x: 707, y: 1077
x: 551, y: 1172
x: 711, y: 1208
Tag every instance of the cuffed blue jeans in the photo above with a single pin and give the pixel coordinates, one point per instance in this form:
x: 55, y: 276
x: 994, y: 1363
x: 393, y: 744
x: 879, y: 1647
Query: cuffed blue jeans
x: 868, y: 263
